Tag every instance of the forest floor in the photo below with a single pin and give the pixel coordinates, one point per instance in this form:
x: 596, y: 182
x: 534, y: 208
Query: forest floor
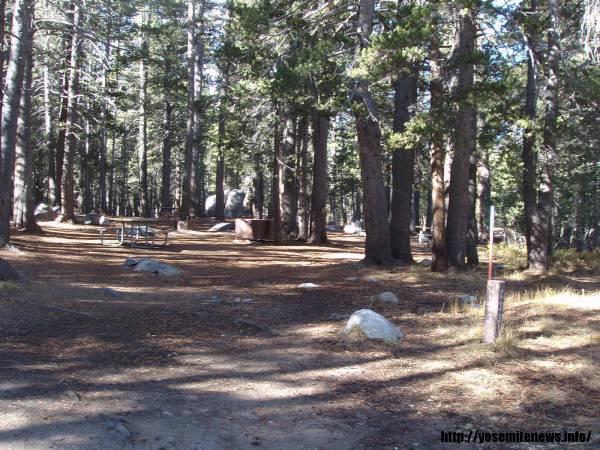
x: 160, y: 363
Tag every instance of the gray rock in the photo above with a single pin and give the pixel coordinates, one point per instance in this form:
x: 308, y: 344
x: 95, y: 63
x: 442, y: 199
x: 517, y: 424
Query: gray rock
x: 8, y: 273
x: 104, y: 221
x: 234, y: 206
x: 426, y: 262
x: 130, y: 262
x: 337, y: 316
x: 333, y: 227
x: 387, y: 297
x: 353, y: 228
x: 91, y: 219
x: 308, y: 285
x: 153, y: 266
x: 43, y: 212
x: 365, y: 323
x: 224, y: 226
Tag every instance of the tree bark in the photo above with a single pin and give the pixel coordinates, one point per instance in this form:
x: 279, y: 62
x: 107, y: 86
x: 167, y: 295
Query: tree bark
x: 165, y: 188
x: 220, y: 175
x: 70, y: 141
x: 439, y: 255
x: 103, y: 124
x: 275, y: 213
x: 142, y: 143
x: 287, y: 179
x: 402, y: 168
x: 318, y: 234
x: 472, y: 234
x: 303, y: 200
x: 23, y: 196
x: 465, y: 131
x: 378, y: 240
x: 529, y: 154
x: 10, y: 112
x: 542, y: 232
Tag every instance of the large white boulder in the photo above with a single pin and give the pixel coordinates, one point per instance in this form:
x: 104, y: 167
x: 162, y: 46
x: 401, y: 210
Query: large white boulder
x: 368, y: 324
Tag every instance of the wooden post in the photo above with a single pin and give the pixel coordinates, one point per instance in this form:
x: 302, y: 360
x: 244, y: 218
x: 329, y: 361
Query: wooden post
x: 494, y: 304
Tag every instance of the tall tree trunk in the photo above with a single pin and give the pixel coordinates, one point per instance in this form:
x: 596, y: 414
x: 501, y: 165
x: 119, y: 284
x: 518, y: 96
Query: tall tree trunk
x: 220, y: 175
x: 165, y: 188
x: 258, y: 183
x: 23, y: 196
x: 186, y: 185
x: 402, y: 168
x: 220, y: 170
x: 287, y: 179
x: 465, y: 131
x: 542, y: 232
x: 194, y: 156
x: 63, y: 114
x: 142, y: 143
x: 70, y: 144
x: 378, y: 239
x: 529, y: 154
x: 10, y: 111
x: 103, y: 123
x: 472, y: 234
x: 439, y: 255
x: 111, y: 180
x: 303, y: 200
x: 275, y: 213
x: 318, y: 234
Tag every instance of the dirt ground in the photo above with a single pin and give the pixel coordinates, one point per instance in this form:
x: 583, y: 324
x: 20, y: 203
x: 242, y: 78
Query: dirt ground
x: 161, y: 363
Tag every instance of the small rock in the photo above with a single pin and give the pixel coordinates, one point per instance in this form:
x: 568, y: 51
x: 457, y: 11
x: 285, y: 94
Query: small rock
x: 110, y: 292
x: 130, y: 262
x: 171, y: 439
x: 337, y: 316
x: 365, y: 323
x: 104, y: 221
x: 123, y: 429
x: 247, y: 300
x: 192, y: 397
x: 8, y: 273
x: 372, y: 280
x: 224, y: 226
x: 351, y: 279
x: 426, y: 262
x: 308, y: 285
x: 387, y: 297
x: 167, y: 413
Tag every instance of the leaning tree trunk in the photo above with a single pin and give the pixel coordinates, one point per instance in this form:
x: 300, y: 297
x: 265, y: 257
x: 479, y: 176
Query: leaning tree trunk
x: 303, y: 200
x: 10, y: 111
x: 318, y: 234
x: 23, y: 196
x: 378, y: 240
x: 402, y: 169
x: 465, y: 131
x: 70, y: 142
x: 439, y: 255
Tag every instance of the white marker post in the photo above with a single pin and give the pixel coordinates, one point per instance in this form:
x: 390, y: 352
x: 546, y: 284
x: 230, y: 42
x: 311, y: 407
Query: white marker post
x: 494, y: 301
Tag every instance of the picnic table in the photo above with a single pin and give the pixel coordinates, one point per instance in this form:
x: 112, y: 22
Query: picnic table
x: 136, y: 232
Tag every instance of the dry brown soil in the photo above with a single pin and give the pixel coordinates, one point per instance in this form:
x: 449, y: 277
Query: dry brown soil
x: 163, y: 364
